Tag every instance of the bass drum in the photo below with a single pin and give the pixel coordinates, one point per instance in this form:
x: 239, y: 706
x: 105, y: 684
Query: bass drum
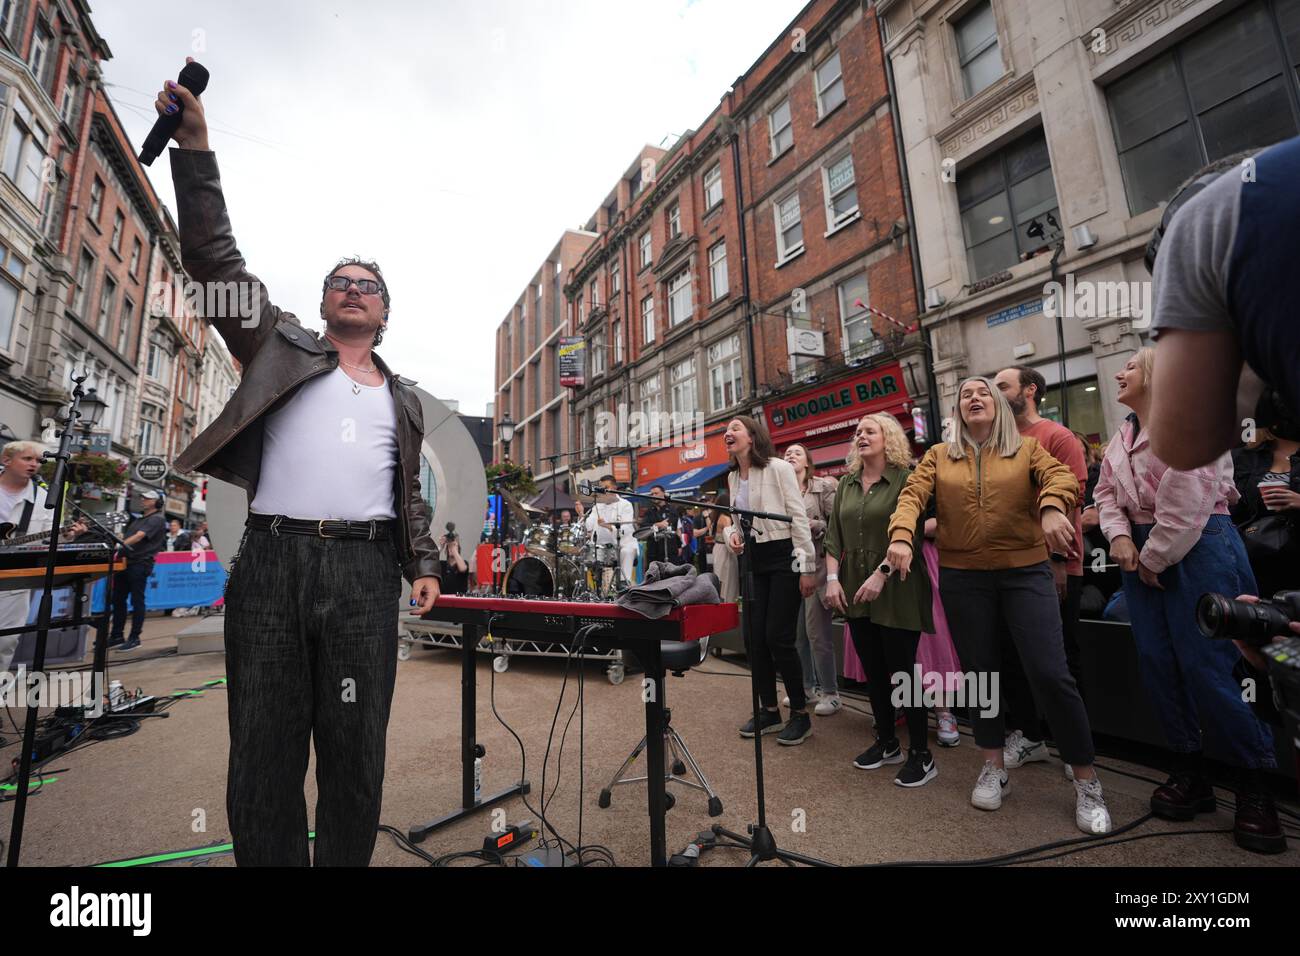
x: 533, y: 577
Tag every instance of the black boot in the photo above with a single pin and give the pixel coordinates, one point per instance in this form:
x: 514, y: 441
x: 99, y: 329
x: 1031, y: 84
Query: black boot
x: 1187, y: 792
x: 1257, y: 827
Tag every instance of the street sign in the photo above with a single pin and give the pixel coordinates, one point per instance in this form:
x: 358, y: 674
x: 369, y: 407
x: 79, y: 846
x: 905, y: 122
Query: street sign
x: 151, y: 469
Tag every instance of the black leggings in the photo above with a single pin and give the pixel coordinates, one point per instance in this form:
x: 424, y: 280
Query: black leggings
x: 884, y: 652
x: 774, y: 617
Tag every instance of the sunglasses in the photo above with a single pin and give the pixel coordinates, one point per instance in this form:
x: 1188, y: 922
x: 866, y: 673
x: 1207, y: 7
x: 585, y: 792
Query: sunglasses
x: 364, y: 286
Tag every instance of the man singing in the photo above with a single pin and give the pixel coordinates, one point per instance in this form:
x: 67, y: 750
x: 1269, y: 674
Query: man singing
x: 325, y: 440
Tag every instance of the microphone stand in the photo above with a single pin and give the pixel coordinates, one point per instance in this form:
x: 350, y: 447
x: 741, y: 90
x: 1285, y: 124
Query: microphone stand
x: 58, y: 485
x: 760, y: 842
x: 99, y: 665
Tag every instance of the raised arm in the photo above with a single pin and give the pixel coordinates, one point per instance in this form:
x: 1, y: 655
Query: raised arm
x: 233, y: 300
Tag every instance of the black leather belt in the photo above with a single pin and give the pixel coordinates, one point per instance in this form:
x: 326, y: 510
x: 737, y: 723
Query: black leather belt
x: 325, y: 528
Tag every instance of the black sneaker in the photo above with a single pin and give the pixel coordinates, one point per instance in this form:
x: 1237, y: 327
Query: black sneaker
x: 128, y: 646
x: 879, y: 754
x: 918, y: 771
x: 797, y: 729
x: 769, y: 722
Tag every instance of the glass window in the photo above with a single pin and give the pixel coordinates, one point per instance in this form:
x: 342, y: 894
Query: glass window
x: 615, y: 281
x: 830, y: 85
x: 10, y: 295
x: 118, y: 223
x: 674, y: 221
x: 124, y: 325
x: 135, y: 256
x: 780, y: 129
x: 96, y: 198
x: 718, y: 270
x: 1008, y: 206
x: 840, y: 191
x: 724, y: 373
x: 858, y: 336
x: 1230, y: 87
x: 84, y: 270
x: 646, y: 253
x: 106, y: 297
x: 713, y: 186
x: 679, y: 298
x: 682, y: 376
x: 618, y: 341
x: 789, y: 227
x: 647, y: 320
x: 651, y: 396
x: 977, y: 49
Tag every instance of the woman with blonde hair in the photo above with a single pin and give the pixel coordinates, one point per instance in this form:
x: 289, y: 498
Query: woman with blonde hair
x: 821, y: 677
x: 1001, y: 502
x: 886, y: 615
x: 1173, y: 538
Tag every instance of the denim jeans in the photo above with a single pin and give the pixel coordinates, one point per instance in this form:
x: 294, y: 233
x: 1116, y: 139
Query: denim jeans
x: 1187, y: 675
x: 816, y: 648
x: 311, y: 654
x: 130, y: 582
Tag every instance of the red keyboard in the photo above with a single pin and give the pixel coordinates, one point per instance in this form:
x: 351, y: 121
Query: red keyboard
x: 689, y: 623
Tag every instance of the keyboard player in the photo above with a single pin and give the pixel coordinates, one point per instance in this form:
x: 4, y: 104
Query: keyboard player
x: 22, y: 504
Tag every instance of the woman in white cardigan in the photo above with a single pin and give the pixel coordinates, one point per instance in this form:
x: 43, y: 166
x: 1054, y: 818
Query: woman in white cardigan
x: 781, y: 559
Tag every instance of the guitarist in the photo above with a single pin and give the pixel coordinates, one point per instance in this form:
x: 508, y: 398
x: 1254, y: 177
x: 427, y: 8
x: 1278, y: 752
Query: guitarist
x: 22, y: 504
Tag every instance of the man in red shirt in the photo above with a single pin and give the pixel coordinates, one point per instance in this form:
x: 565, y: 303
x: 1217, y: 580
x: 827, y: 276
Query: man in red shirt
x: 1023, y: 389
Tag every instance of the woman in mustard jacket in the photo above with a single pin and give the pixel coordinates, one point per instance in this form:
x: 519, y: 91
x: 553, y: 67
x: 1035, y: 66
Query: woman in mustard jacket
x: 1002, y: 502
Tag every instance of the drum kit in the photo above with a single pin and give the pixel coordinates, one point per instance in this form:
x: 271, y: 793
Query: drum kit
x: 562, y: 560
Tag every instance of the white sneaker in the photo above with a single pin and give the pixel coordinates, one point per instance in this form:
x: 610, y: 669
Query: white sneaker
x: 949, y: 735
x: 992, y: 785
x: 829, y: 704
x: 1018, y: 751
x: 812, y: 696
x: 1069, y: 772
x: 1090, y: 813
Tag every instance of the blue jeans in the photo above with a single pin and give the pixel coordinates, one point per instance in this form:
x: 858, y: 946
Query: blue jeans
x: 1187, y: 675
x: 816, y: 648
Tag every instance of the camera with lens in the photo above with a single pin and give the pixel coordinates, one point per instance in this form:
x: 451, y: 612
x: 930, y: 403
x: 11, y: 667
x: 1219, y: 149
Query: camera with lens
x: 1256, y: 624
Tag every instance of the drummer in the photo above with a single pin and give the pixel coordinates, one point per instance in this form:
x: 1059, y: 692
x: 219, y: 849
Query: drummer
x: 612, y: 521
x: 659, y: 530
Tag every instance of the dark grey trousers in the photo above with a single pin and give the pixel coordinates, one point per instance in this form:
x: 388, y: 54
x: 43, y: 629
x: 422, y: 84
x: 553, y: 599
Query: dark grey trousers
x: 980, y: 606
x: 311, y: 654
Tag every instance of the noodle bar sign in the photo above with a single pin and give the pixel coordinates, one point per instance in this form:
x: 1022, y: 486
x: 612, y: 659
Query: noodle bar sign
x: 830, y: 408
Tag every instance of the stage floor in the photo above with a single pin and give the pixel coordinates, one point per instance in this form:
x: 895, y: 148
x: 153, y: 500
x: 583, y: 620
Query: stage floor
x: 139, y: 795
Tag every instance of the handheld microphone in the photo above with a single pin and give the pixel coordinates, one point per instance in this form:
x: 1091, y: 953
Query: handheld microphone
x: 194, y: 77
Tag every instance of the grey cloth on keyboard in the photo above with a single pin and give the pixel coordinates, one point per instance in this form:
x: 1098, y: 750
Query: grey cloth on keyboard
x: 669, y: 586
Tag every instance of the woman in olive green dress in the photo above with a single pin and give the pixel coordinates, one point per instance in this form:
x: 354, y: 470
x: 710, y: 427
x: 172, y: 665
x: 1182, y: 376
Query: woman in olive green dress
x: 885, y: 614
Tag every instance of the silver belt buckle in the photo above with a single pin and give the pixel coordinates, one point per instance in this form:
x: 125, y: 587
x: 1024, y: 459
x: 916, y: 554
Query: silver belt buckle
x: 320, y: 528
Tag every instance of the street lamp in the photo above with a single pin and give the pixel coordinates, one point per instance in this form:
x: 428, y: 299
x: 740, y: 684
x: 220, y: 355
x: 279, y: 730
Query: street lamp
x: 506, y: 433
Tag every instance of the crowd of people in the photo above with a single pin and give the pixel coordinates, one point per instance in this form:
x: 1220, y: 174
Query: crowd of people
x: 995, y: 527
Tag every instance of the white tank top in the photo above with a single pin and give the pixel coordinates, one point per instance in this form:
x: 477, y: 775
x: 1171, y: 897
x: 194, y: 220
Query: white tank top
x: 330, y: 452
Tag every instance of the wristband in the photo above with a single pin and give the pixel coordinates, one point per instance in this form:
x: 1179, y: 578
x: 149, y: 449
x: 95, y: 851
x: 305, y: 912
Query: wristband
x: 832, y: 577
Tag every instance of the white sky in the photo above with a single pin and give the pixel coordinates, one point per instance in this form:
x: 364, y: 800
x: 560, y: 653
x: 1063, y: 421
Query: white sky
x: 450, y: 142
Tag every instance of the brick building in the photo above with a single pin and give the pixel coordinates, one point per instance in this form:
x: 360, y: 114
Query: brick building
x: 527, y: 367
x: 48, y: 71
x: 829, y: 234
x: 782, y: 212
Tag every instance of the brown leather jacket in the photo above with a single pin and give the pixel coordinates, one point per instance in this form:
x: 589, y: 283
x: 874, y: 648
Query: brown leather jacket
x: 277, y: 355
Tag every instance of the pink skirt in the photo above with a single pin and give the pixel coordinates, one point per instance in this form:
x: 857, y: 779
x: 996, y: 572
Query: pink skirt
x: 935, y: 653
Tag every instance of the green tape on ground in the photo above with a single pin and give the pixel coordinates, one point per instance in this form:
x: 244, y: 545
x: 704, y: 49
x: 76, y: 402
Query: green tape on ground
x: 34, y: 785
x: 188, y: 693
x: 177, y: 855
x: 214, y: 683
